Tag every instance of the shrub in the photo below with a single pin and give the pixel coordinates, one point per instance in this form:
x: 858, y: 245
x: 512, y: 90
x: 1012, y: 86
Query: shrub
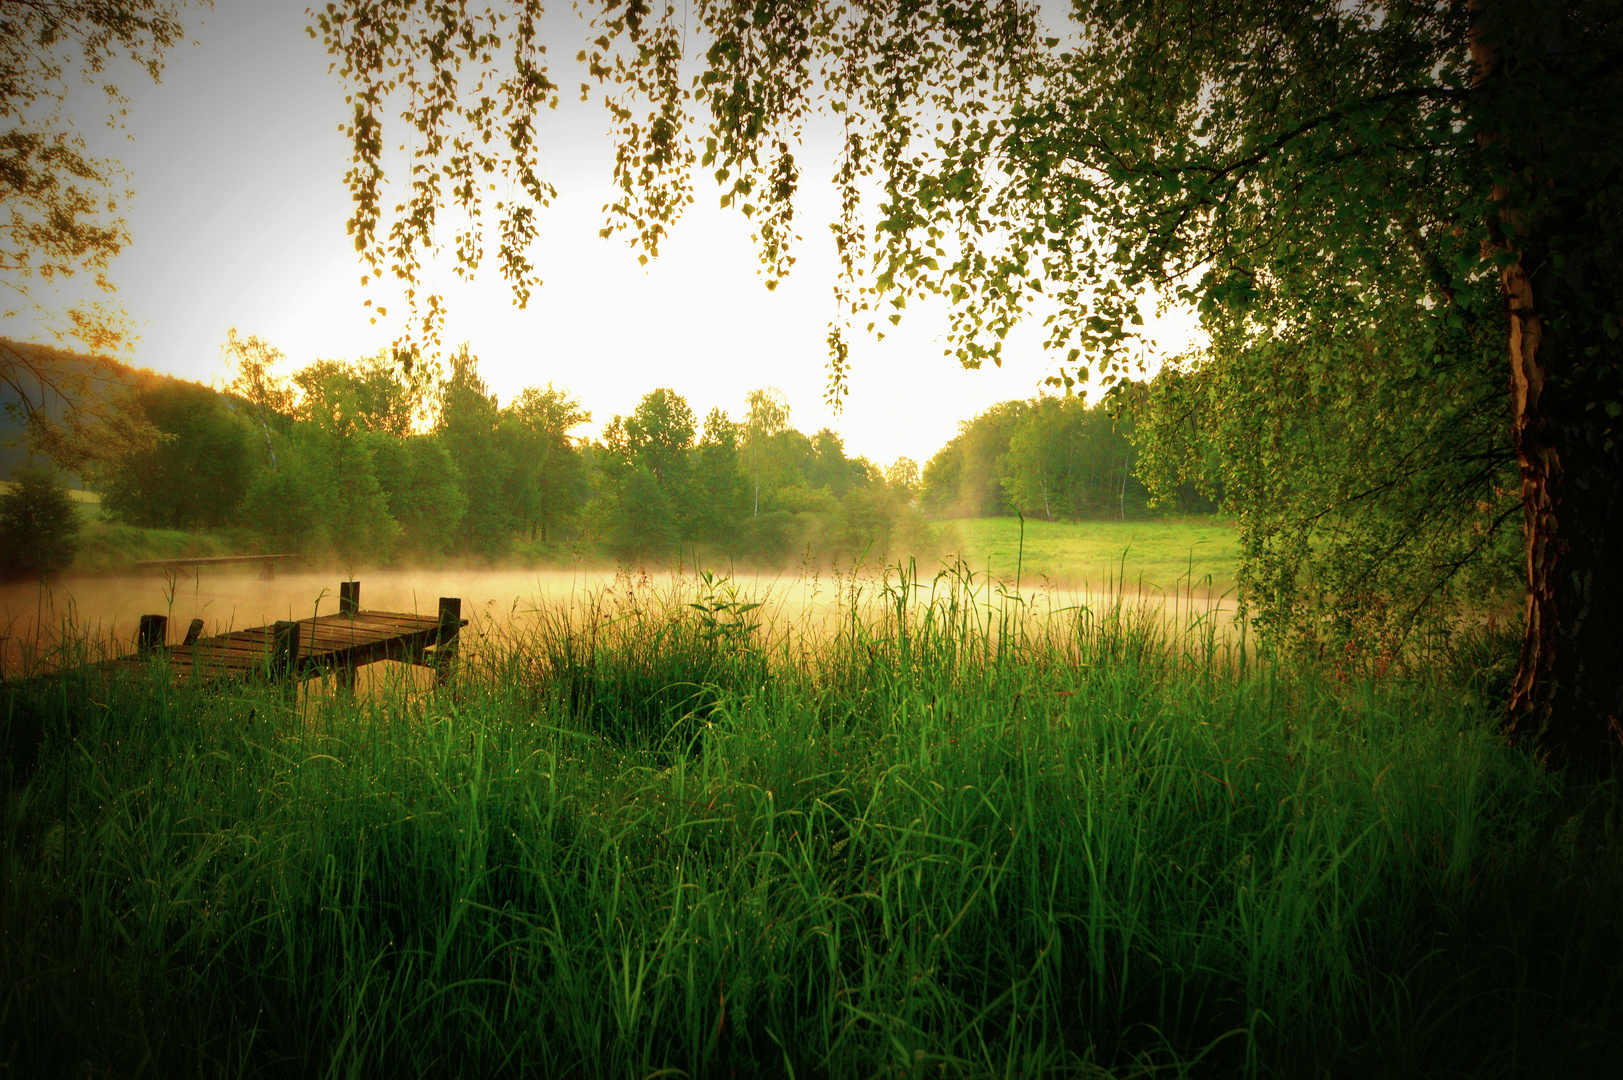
x: 39, y: 527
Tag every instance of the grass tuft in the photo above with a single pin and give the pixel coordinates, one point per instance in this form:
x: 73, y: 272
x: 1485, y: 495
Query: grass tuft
x: 945, y: 833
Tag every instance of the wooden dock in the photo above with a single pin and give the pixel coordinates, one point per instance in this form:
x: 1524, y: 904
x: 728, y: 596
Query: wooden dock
x: 306, y: 648
x: 267, y: 563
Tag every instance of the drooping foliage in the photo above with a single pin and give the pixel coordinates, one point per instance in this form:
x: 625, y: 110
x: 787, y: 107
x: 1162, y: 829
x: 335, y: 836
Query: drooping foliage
x: 63, y: 205
x: 1424, y: 192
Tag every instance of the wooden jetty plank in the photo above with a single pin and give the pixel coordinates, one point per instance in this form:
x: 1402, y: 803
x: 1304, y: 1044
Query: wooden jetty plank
x: 361, y: 631
x: 321, y: 644
x: 379, y: 620
x: 210, y: 560
x: 383, y: 621
x: 243, y: 649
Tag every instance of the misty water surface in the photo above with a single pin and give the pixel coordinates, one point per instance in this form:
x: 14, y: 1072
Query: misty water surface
x: 103, y: 612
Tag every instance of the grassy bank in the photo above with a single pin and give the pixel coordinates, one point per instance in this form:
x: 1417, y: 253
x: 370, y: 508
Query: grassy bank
x: 1164, y: 555
x: 110, y: 547
x: 638, y: 838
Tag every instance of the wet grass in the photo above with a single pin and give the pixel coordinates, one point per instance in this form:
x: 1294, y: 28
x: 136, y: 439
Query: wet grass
x: 1160, y: 555
x: 944, y: 836
x: 113, y: 547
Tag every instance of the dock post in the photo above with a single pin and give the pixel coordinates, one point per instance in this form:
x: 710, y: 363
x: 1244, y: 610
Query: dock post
x: 445, y: 648
x: 153, y: 633
x: 193, y: 632
x: 349, y: 603
x: 285, y: 651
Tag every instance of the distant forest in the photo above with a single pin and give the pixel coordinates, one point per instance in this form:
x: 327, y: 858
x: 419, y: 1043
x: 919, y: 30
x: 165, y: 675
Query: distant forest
x: 363, y: 461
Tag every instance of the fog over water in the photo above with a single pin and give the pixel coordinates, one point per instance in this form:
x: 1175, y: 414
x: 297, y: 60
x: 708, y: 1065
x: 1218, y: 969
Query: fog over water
x: 105, y: 611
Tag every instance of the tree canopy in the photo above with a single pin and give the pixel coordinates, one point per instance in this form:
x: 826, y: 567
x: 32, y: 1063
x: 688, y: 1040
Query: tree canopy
x: 1403, y: 205
x: 63, y: 215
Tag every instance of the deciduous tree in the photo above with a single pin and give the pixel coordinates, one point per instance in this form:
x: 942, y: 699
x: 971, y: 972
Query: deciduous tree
x: 194, y: 475
x: 39, y: 526
x: 62, y: 205
x: 767, y: 417
x: 1431, y: 190
x: 469, y: 418
x: 252, y: 365
x: 549, y: 474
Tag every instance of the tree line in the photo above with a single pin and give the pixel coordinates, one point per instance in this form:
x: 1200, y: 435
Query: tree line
x: 372, y: 460
x: 1054, y: 458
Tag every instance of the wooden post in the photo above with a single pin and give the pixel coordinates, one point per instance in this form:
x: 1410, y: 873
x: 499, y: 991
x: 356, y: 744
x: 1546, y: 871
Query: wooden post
x: 285, y: 650
x: 153, y: 633
x: 349, y: 603
x: 193, y: 632
x: 445, y: 649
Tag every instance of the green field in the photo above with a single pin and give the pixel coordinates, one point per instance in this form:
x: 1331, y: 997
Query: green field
x: 1167, y: 555
x: 638, y: 838
x: 111, y: 547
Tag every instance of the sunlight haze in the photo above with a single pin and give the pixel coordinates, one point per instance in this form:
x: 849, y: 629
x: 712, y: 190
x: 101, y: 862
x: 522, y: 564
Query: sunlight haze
x: 238, y: 221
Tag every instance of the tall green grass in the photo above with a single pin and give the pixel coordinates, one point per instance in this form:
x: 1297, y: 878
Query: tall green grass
x: 110, y: 547
x: 940, y: 834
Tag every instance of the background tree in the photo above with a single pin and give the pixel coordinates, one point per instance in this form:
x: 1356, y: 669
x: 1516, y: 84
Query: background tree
x: 903, y: 476
x: 941, y: 479
x: 965, y: 477
x: 647, y: 456
x: 39, y: 525
x: 326, y: 500
x: 767, y: 417
x: 786, y: 461
x: 78, y: 411
x: 549, y: 481
x: 659, y: 434
x: 194, y: 476
x: 252, y: 365
x: 1065, y: 460
x: 642, y: 523
x: 467, y: 426
x: 422, y: 490
x: 721, y: 491
x: 339, y: 405
x: 373, y: 394
x: 828, y: 466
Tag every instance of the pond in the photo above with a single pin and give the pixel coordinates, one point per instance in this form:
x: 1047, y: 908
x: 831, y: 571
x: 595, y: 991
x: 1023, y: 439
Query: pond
x: 101, y: 614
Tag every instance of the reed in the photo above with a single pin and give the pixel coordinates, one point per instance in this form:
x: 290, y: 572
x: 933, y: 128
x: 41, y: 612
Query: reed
x: 947, y: 832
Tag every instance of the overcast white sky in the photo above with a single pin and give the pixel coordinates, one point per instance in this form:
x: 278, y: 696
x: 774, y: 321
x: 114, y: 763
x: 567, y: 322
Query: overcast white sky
x: 239, y: 220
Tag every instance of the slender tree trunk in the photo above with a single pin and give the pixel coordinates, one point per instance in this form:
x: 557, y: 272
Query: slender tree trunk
x: 269, y: 449
x: 1539, y: 463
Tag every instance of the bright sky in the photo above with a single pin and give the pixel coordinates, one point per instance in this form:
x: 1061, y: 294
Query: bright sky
x: 239, y: 219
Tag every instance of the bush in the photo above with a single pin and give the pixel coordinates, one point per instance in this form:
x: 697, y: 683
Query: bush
x: 39, y: 527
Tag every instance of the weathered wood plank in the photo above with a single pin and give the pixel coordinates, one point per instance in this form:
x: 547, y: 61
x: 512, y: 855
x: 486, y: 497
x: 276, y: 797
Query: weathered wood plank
x: 304, y: 648
x: 211, y: 560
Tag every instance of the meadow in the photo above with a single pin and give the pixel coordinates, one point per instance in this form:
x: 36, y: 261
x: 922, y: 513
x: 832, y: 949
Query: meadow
x: 1166, y: 556
x: 656, y: 830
